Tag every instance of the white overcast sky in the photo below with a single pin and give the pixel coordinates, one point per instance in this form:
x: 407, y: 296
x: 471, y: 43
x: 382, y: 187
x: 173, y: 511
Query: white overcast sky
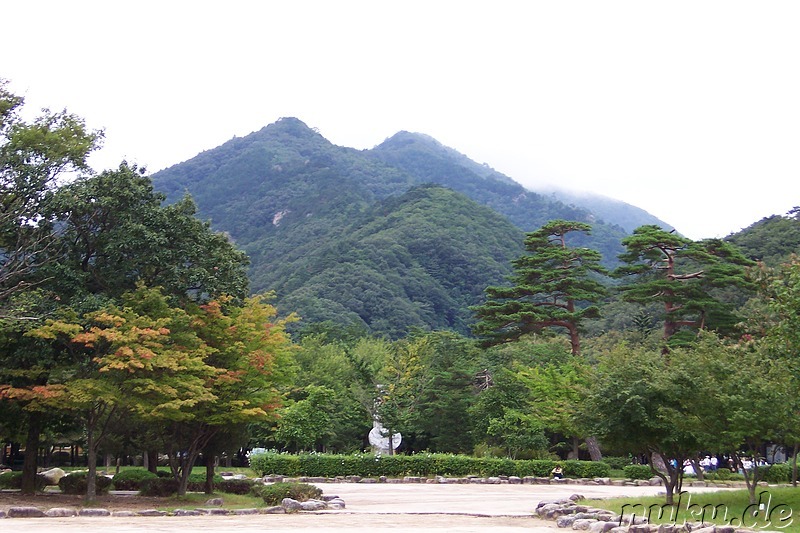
x: 688, y: 109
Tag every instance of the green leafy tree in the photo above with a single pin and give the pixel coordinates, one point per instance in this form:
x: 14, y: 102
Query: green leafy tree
x: 117, y: 233
x: 684, y: 276
x: 746, y: 399
x: 307, y: 424
x: 253, y: 360
x: 553, y: 287
x: 33, y: 156
x: 147, y: 365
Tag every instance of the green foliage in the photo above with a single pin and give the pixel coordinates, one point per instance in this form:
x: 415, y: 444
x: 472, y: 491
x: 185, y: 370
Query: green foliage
x: 235, y: 486
x: 76, y: 483
x: 553, y: 287
x: 275, y: 493
x: 617, y: 463
x: 197, y: 482
x: 13, y: 480
x: 688, y: 278
x: 771, y: 240
x: 638, y: 471
x: 421, y: 464
x: 343, y: 236
x: 131, y: 479
x: 159, y: 487
x: 778, y: 473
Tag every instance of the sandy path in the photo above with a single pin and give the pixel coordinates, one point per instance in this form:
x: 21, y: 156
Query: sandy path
x: 370, y: 507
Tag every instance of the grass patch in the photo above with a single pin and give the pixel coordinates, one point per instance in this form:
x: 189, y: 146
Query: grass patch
x: 781, y: 508
x: 192, y: 500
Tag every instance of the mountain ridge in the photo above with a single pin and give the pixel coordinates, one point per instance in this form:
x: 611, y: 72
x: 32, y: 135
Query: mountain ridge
x: 313, y: 218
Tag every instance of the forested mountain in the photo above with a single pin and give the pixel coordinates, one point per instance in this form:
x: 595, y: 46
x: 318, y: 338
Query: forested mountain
x: 772, y: 239
x: 348, y: 235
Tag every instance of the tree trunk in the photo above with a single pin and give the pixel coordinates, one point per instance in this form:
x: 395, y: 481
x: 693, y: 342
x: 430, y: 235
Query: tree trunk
x: 210, y: 461
x: 30, y: 465
x: 91, y: 458
x: 594, y: 449
x: 794, y: 464
x: 152, y: 458
x: 698, y: 470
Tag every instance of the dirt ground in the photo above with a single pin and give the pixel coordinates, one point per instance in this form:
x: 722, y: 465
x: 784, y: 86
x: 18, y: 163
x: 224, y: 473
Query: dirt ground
x: 373, y: 507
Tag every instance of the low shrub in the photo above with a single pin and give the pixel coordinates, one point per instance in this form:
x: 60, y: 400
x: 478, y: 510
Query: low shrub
x: 197, y: 482
x: 76, y: 483
x: 275, y: 493
x: 234, y: 486
x: 132, y: 479
x: 159, y: 487
x: 777, y: 473
x: 638, y: 472
x: 617, y: 463
x: 10, y: 480
x: 13, y: 480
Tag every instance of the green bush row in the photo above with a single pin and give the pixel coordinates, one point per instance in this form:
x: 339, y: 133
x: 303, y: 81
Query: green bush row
x: 275, y: 493
x: 424, y: 464
x: 777, y: 473
x: 638, y: 472
x: 13, y: 480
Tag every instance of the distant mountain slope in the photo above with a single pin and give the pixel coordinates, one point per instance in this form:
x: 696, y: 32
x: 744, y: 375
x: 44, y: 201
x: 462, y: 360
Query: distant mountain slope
x: 628, y: 216
x: 772, y: 239
x: 343, y: 234
x: 417, y: 260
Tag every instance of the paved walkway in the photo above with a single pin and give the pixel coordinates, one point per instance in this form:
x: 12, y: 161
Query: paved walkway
x: 370, y: 507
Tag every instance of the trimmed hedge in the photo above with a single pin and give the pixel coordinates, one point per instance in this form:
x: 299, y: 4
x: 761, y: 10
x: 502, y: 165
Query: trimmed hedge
x: 132, y: 479
x: 76, y: 483
x: 13, y: 480
x: 777, y: 473
x: 423, y: 464
x: 159, y: 487
x: 234, y: 486
x: 638, y: 472
x: 617, y: 463
x: 275, y: 493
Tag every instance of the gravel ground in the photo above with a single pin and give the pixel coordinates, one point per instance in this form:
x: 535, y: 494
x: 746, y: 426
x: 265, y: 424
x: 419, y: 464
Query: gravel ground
x: 370, y: 507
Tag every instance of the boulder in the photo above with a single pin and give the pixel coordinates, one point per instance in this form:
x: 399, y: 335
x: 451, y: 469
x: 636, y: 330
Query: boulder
x: 291, y: 505
x: 582, y: 523
x: 215, y: 502
x: 565, y: 521
x: 124, y: 514
x: 53, y: 476
x: 313, y: 505
x: 151, y: 512
x: 94, y: 512
x: 25, y: 512
x: 184, y: 512
x: 61, y: 512
x: 275, y: 509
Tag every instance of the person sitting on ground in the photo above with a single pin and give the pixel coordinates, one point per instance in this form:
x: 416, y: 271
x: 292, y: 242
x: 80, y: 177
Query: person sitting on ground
x: 557, y: 472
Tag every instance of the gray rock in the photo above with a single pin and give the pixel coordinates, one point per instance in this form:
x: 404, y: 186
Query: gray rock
x: 151, y: 512
x: 601, y: 527
x: 576, y: 497
x: 582, y: 524
x: 2, y: 514
x: 515, y: 480
x: 587, y: 516
x: 61, y: 511
x: 94, y: 512
x: 25, y: 512
x: 655, y: 481
x: 565, y: 521
x: 725, y: 529
x: 493, y: 480
x: 313, y: 505
x: 185, y: 512
x: 338, y: 502
x: 215, y: 502
x: 123, y: 514
x: 291, y: 505
x: 275, y: 509
x: 252, y: 510
x: 368, y: 480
